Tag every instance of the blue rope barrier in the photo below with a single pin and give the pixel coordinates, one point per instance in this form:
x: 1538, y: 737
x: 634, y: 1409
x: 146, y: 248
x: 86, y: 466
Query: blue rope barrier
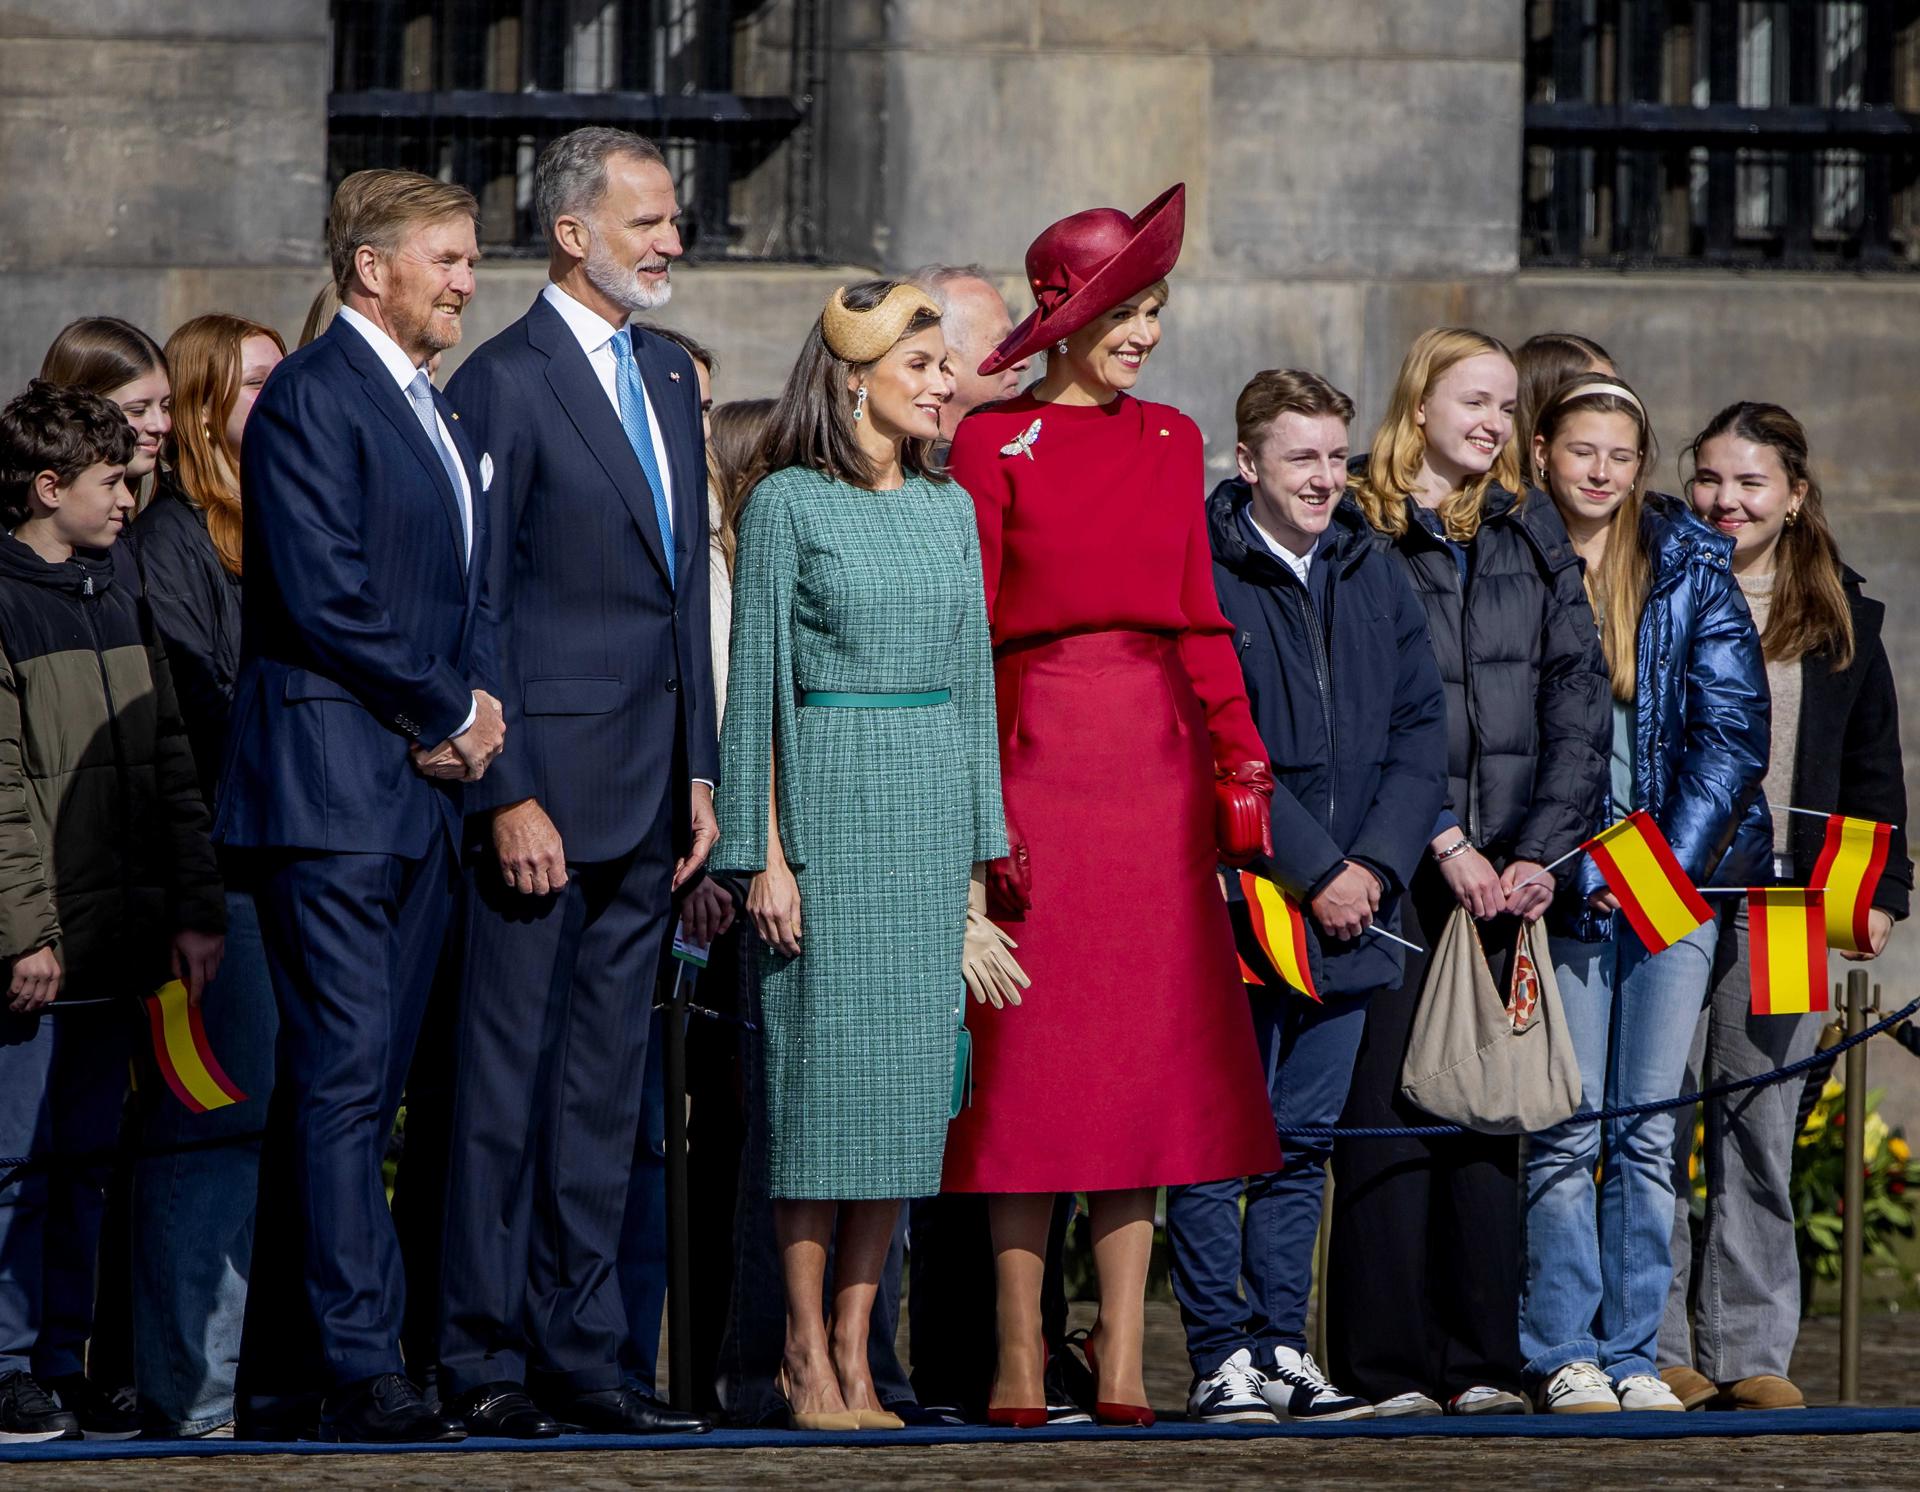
x: 1622, y: 1111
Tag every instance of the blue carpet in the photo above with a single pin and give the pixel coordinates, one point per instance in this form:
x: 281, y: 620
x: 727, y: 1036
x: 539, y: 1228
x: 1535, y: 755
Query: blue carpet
x: 1493, y: 1427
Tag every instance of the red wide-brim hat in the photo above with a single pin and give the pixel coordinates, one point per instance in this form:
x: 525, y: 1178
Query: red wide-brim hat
x: 1085, y: 265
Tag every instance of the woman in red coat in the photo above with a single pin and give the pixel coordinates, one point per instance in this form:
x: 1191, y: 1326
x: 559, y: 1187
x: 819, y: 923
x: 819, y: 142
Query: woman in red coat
x: 1130, y: 767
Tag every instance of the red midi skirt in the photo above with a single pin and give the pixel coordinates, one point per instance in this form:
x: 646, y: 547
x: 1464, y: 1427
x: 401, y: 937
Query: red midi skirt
x: 1131, y: 1061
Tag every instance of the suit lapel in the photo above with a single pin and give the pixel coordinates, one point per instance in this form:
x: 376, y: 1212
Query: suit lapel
x: 470, y: 464
x: 670, y: 402
x: 387, y: 397
x: 585, y: 402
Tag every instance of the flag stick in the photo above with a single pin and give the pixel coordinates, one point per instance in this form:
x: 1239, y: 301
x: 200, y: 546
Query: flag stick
x: 1395, y: 938
x: 1548, y: 869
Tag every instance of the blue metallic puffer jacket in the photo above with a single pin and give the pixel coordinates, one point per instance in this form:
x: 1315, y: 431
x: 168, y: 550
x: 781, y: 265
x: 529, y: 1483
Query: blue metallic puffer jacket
x: 1702, y: 710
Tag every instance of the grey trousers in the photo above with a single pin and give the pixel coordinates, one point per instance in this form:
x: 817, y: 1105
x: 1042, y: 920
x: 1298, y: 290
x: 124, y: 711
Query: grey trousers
x: 1733, y: 1310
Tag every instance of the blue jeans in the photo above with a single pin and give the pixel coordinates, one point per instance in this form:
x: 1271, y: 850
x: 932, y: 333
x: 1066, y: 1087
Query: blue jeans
x: 62, y: 1081
x: 193, y: 1211
x: 1309, y: 1052
x: 1597, y: 1278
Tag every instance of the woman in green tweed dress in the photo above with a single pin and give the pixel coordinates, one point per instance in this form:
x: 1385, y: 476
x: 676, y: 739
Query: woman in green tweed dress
x: 859, y: 785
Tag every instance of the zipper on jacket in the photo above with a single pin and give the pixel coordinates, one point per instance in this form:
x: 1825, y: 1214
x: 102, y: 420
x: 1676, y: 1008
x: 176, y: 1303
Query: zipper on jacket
x: 1322, y: 676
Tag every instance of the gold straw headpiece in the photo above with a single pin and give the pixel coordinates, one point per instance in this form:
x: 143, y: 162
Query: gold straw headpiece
x: 862, y: 337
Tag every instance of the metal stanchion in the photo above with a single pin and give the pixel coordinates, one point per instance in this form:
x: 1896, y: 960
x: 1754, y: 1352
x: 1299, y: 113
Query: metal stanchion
x: 679, y: 1305
x: 1853, y: 1161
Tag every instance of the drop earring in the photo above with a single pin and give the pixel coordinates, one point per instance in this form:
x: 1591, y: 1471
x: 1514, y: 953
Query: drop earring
x: 1061, y: 347
x: 860, y: 403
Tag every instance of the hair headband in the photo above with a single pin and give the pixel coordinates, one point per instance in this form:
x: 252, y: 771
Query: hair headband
x: 864, y: 336
x: 1619, y: 390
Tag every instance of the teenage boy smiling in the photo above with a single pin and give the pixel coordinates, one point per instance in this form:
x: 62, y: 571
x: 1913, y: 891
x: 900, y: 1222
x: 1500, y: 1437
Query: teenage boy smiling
x: 1333, y: 646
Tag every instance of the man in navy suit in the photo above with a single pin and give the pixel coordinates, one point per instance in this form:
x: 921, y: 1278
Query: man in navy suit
x: 365, y: 700
x: 602, y: 811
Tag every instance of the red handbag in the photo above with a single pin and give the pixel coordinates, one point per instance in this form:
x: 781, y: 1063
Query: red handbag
x: 1242, y: 820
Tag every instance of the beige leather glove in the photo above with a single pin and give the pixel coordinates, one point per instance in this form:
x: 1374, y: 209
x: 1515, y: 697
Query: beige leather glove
x: 990, y: 971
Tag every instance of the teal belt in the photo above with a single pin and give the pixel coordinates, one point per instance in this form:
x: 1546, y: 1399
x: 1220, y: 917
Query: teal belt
x: 840, y: 700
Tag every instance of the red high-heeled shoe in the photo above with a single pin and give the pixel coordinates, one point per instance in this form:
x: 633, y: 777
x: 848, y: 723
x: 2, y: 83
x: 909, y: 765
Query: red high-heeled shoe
x: 1019, y: 1417
x: 1110, y: 1412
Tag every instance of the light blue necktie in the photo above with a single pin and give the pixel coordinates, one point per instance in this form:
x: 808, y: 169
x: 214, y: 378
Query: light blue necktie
x: 633, y: 419
x: 420, y: 395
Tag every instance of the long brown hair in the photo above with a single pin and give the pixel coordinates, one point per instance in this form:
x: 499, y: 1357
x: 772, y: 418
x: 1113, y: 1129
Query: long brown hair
x: 1399, y: 445
x: 812, y: 421
x: 1545, y: 361
x: 1618, y: 588
x: 1809, y: 610
x: 735, y: 461
x: 101, y: 354
x: 205, y: 354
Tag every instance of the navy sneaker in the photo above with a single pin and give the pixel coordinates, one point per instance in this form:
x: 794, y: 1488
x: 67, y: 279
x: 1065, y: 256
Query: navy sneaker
x: 1232, y: 1394
x: 1295, y: 1388
x: 1062, y: 1407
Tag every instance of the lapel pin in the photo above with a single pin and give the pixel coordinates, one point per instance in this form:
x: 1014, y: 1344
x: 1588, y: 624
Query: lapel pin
x: 674, y: 376
x: 456, y: 415
x: 1163, y: 432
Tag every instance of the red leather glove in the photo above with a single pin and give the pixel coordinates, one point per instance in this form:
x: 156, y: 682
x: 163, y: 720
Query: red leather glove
x: 1242, y: 822
x: 1010, y: 879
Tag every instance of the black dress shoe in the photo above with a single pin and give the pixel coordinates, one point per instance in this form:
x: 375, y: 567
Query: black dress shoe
x: 385, y: 1409
x: 503, y: 1411
x: 624, y: 1411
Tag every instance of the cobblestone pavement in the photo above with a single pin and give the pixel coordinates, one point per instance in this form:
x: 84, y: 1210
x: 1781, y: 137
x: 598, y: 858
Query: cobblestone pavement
x: 1891, y: 1354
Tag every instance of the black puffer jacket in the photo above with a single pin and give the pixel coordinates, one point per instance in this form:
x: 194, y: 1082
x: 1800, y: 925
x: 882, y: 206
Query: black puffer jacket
x: 1529, y: 716
x: 195, y: 604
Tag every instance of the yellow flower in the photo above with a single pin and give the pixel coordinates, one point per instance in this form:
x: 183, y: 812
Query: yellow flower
x: 1897, y: 1148
x: 1876, y: 1134
x: 1833, y: 1089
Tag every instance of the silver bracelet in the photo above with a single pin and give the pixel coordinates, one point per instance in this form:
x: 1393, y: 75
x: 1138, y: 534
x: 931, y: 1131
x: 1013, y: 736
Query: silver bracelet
x: 1459, y: 847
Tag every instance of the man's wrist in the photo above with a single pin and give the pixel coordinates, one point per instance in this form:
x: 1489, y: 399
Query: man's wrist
x: 473, y: 714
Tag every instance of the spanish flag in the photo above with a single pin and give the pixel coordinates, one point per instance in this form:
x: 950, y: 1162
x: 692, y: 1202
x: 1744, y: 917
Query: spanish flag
x: 185, y: 1056
x: 1787, y: 950
x: 1280, y: 931
x: 1848, y: 870
x: 1639, y: 864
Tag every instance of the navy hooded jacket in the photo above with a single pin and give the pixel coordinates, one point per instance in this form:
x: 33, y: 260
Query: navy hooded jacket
x: 1348, y: 700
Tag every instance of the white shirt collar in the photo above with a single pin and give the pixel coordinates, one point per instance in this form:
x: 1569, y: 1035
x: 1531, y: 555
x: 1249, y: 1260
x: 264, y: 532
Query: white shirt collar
x: 1298, y: 563
x: 590, y: 329
x: 402, y: 367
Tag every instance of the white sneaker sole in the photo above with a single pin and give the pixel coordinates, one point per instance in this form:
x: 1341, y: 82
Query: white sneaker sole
x: 1235, y: 1417
x: 1363, y: 1411
x: 1419, y: 1411
x: 1611, y: 1406
x: 1673, y: 1408
x: 29, y: 1437
x: 110, y: 1434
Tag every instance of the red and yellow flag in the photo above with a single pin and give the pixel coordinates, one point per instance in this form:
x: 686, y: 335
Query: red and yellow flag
x: 1640, y: 867
x: 1280, y: 931
x: 1848, y: 870
x: 1787, y: 950
x: 185, y: 1056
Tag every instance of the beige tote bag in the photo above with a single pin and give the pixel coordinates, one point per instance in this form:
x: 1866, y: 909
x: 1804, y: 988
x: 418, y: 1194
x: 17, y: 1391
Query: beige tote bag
x: 1495, y: 1066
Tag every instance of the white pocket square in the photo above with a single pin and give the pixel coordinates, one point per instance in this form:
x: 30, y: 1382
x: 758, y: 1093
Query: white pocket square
x: 486, y: 471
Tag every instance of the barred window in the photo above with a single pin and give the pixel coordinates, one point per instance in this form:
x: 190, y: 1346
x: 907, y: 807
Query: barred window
x: 471, y: 91
x: 1751, y: 133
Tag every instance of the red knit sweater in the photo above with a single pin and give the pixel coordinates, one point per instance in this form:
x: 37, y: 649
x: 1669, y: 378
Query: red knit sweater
x: 1099, y: 524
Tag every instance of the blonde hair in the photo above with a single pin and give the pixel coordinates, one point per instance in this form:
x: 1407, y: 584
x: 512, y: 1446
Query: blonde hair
x: 205, y: 354
x: 376, y: 208
x: 1618, y: 587
x: 326, y: 306
x: 1400, y: 445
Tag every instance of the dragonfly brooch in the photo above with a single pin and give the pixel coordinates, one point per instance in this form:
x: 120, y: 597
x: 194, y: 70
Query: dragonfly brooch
x: 1022, y: 445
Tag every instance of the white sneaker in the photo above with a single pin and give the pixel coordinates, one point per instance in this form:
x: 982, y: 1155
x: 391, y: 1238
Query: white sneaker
x: 1484, y: 1398
x: 1231, y: 1394
x: 1580, y: 1388
x: 1407, y: 1406
x: 1297, y: 1389
x: 1644, y: 1391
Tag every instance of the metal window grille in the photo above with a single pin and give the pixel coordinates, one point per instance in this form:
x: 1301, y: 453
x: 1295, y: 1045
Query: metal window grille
x: 1750, y: 133
x: 471, y: 91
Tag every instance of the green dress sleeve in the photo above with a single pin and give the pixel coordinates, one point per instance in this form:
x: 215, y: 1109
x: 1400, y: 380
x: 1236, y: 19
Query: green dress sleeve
x: 760, y: 685
x: 978, y: 722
